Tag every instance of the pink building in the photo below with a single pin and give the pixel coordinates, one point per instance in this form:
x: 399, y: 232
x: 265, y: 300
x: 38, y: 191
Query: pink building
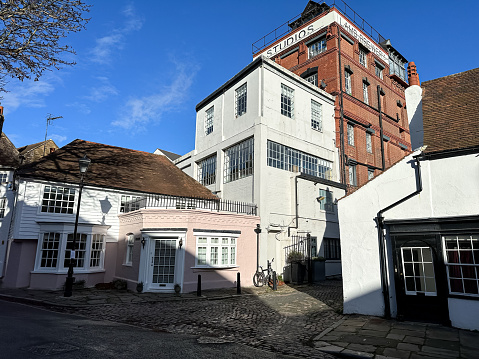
x: 141, y: 220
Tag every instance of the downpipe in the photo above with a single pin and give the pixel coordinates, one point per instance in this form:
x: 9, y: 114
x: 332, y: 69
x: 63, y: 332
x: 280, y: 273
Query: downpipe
x: 382, y: 240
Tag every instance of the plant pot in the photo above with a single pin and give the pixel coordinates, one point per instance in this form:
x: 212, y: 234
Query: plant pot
x: 287, y: 273
x: 298, y: 271
x: 319, y: 271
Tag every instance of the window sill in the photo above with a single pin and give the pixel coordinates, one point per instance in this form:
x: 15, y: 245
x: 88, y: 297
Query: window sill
x: 215, y: 268
x: 127, y: 264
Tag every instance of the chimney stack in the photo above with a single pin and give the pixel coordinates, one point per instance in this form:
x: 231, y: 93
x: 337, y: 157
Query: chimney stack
x: 412, y: 74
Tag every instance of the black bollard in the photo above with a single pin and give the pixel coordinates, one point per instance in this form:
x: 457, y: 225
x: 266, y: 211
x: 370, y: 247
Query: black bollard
x: 238, y: 283
x: 275, y: 284
x: 198, y: 287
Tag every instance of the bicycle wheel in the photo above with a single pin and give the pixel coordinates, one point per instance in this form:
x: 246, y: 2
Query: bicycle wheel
x: 258, y: 279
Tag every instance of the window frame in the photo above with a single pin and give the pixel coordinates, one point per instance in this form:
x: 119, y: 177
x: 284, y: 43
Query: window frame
x: 461, y: 257
x: 348, y: 83
x: 4, y: 177
x: 55, y: 202
x: 365, y: 93
x: 62, y: 251
x: 3, y: 207
x: 332, y: 248
x: 379, y: 70
x: 350, y: 133
x: 317, y: 47
x: 316, y: 116
x: 369, y: 142
x: 287, y: 101
x: 363, y: 57
x: 370, y: 174
x: 209, y: 116
x: 241, y: 97
x: 312, y: 79
x: 214, y: 258
x: 353, y: 177
x: 130, y: 244
x: 239, y: 160
x: 133, y: 201
x: 207, y: 170
x: 327, y: 203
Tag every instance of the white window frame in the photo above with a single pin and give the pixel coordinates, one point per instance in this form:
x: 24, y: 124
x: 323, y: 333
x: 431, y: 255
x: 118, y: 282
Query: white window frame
x: 316, y: 116
x: 420, y: 264
x: 3, y: 206
x: 347, y: 83
x: 365, y: 93
x: 353, y: 180
x: 313, y: 79
x: 379, y: 70
x: 239, y: 160
x: 130, y: 243
x: 3, y: 177
x: 326, y: 204
x: 63, y: 230
x: 287, y: 101
x: 61, y: 200
x: 461, y: 240
x: 363, y: 57
x: 350, y: 131
x: 241, y: 100
x: 209, y: 115
x: 97, y: 238
x: 369, y: 143
x: 317, y: 47
x: 213, y: 246
x: 129, y: 200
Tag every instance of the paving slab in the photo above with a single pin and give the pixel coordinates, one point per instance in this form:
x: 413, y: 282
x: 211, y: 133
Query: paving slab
x: 443, y: 333
x: 439, y: 352
x: 413, y: 340
x: 408, y: 346
x: 395, y: 353
x: 444, y: 344
x: 356, y: 354
x: 362, y: 348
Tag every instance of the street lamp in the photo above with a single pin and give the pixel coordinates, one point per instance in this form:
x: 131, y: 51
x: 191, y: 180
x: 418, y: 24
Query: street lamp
x: 257, y: 230
x: 84, y: 163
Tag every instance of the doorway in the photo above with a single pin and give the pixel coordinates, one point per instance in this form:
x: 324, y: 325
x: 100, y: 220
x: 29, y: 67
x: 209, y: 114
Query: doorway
x: 163, y: 263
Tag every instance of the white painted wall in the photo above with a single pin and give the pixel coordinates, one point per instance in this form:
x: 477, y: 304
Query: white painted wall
x: 273, y: 190
x: 449, y: 189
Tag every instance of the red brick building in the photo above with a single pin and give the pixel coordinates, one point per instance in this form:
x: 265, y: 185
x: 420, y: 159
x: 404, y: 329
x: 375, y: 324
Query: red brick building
x: 334, y: 48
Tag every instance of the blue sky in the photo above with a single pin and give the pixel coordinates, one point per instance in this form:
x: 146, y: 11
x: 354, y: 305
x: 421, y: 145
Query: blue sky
x: 142, y: 66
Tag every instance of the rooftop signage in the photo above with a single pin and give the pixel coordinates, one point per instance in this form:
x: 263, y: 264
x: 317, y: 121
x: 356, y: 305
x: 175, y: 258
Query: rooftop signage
x: 318, y: 25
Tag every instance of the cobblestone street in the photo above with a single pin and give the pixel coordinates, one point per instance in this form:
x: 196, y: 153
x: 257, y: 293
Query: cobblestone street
x: 282, y: 322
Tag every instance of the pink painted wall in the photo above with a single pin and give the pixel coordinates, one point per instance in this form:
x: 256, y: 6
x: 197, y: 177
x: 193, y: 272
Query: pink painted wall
x: 195, y: 219
x: 20, y: 263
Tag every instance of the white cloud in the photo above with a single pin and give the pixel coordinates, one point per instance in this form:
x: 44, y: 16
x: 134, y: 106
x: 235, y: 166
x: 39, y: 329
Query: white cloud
x: 58, y: 138
x: 139, y: 111
x: 28, y: 93
x: 102, y: 52
x: 81, y: 107
x: 103, y: 91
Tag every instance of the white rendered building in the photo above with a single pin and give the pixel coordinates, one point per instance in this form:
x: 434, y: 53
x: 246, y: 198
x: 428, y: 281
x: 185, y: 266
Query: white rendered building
x: 267, y: 136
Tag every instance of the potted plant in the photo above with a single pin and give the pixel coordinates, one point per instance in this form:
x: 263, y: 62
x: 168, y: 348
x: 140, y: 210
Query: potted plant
x: 297, y: 268
x: 319, y: 271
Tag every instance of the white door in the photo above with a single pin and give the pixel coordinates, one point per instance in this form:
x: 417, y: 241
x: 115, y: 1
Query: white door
x: 163, y: 262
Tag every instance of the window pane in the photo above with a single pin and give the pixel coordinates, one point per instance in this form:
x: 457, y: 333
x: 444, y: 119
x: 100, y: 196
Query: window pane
x: 287, y: 101
x: 240, y: 104
x: 239, y: 161
x: 58, y: 200
x: 207, y: 171
x: 209, y: 120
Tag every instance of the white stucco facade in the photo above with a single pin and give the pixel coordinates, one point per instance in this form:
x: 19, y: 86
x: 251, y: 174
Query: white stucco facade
x: 445, y: 207
x: 286, y: 199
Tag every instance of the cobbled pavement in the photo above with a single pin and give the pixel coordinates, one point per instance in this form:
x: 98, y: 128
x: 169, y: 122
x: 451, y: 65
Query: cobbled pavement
x: 283, y: 322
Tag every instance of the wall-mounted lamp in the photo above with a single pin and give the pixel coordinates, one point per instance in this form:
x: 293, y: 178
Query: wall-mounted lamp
x: 143, y: 241
x: 320, y: 198
x: 181, y: 242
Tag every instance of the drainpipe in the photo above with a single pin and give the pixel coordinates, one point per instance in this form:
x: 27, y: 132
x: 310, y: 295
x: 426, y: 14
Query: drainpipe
x: 341, y: 113
x: 383, y: 162
x: 382, y: 241
x: 296, y: 205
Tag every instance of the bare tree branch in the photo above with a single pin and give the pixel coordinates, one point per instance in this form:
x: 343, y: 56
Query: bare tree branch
x: 30, y: 34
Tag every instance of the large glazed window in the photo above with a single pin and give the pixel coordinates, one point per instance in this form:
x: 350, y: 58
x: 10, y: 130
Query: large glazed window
x: 462, y: 262
x: 287, y: 101
x: 215, y: 251
x: 240, y: 103
x: 49, y: 250
x: 290, y: 159
x: 207, y: 171
x: 58, y: 199
x: 239, y: 160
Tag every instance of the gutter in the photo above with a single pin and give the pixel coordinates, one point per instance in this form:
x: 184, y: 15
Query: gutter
x: 382, y: 240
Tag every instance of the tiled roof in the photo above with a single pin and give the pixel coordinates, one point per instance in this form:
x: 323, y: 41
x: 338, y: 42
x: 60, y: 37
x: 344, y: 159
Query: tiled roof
x: 27, y: 148
x: 116, y: 167
x: 451, y: 111
x: 8, y: 152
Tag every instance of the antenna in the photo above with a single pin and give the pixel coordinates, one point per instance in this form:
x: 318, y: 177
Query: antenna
x: 49, y: 120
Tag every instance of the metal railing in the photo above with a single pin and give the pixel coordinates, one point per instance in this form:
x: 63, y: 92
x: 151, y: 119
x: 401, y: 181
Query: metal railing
x: 300, y: 244
x: 176, y: 202
x: 340, y: 5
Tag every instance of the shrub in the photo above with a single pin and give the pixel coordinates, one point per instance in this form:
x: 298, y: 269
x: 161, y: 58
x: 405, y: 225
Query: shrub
x: 294, y: 257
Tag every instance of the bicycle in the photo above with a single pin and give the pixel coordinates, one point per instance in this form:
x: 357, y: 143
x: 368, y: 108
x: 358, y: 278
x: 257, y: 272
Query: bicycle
x: 260, y: 279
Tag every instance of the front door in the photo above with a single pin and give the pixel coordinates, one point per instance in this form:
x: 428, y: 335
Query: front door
x: 163, y: 263
x: 419, y: 280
